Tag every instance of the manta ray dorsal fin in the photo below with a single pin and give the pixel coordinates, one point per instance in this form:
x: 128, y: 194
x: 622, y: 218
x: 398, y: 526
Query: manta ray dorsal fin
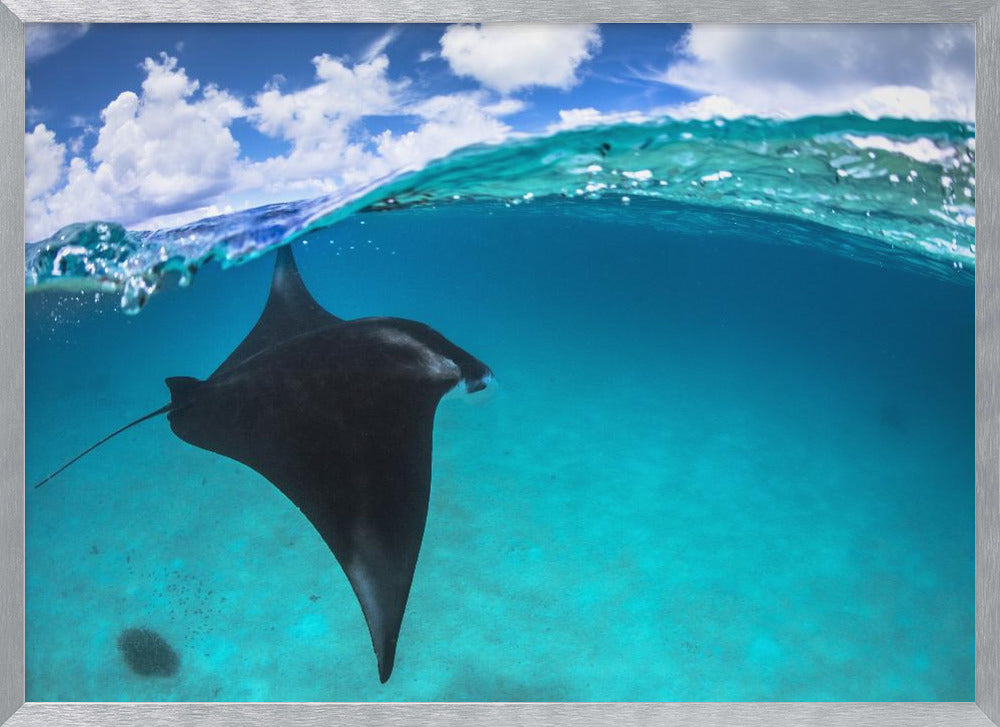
x: 290, y: 311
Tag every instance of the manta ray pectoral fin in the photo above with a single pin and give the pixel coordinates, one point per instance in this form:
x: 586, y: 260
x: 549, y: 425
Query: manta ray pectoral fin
x: 354, y: 456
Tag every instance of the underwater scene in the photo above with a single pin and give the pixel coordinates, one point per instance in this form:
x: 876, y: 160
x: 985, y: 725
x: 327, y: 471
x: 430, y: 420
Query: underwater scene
x: 659, y: 409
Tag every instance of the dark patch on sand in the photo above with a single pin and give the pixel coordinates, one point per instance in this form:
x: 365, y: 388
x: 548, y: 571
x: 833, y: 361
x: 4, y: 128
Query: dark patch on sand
x: 147, y: 653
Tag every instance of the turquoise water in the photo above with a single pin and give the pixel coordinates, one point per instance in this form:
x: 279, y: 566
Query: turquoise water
x: 905, y: 189
x: 730, y: 456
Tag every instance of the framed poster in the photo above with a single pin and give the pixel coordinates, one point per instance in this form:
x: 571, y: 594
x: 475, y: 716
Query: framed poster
x: 716, y: 289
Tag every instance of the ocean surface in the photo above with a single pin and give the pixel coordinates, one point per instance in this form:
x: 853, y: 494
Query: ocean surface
x: 730, y: 455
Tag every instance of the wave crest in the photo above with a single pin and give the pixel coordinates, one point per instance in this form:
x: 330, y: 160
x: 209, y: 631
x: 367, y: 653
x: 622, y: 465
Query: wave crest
x: 900, y: 186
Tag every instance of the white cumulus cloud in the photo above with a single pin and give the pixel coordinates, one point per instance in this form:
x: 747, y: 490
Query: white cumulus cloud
x: 918, y: 71
x: 44, y: 158
x: 509, y: 57
x: 321, y: 122
x: 450, y: 122
x: 589, y: 116
x: 342, y: 95
x: 331, y: 149
x: 165, y: 155
x: 157, y: 152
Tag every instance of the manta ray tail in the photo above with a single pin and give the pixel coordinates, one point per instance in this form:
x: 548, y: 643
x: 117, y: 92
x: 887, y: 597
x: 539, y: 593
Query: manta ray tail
x: 162, y: 410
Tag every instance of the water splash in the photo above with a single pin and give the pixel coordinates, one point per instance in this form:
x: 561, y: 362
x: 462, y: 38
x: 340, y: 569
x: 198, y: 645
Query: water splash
x: 891, y: 189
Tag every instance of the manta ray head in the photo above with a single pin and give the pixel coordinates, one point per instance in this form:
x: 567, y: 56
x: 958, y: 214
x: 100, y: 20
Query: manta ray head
x: 435, y: 354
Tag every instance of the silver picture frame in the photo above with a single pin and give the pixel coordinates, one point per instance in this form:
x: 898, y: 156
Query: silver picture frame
x: 981, y: 713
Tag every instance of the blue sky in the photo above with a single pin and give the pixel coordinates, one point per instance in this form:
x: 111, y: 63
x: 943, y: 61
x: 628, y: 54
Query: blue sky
x: 154, y: 125
x: 70, y: 87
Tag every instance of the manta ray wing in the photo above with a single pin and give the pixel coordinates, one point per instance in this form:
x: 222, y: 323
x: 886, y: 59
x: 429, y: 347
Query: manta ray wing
x: 353, y: 453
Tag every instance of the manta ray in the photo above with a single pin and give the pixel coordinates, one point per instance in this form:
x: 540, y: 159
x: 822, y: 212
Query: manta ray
x: 338, y: 415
